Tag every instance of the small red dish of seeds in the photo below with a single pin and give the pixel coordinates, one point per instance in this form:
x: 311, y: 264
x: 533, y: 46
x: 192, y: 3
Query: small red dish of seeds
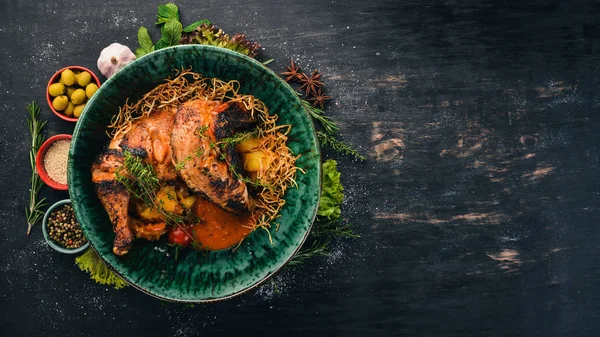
x: 52, y: 159
x: 62, y: 230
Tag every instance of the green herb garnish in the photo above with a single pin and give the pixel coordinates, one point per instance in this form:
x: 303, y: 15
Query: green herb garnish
x: 315, y: 249
x: 143, y: 183
x: 182, y: 163
x: 146, y: 44
x: 167, y: 12
x: 34, y: 211
x: 195, y: 25
x: 171, y: 30
x: 200, y: 32
x: 318, y: 115
x: 331, y: 195
x: 328, y: 226
x: 237, y: 138
x: 329, y: 140
x: 99, y: 272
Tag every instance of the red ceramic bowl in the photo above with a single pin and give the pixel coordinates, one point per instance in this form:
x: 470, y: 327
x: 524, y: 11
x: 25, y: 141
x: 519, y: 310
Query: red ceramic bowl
x: 55, y: 79
x: 39, y: 162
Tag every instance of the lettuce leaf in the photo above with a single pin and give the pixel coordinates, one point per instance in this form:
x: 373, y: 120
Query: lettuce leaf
x: 99, y: 272
x: 331, y: 195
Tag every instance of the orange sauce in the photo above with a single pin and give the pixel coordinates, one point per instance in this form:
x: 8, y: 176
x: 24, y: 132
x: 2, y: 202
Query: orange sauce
x: 220, y: 229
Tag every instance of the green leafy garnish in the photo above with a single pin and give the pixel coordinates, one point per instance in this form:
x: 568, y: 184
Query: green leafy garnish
x: 171, y: 29
x: 211, y: 35
x: 146, y: 45
x: 34, y: 211
x: 328, y: 226
x: 195, y: 25
x: 331, y: 195
x: 171, y: 34
x: 166, y: 12
x: 90, y: 262
x: 201, y: 32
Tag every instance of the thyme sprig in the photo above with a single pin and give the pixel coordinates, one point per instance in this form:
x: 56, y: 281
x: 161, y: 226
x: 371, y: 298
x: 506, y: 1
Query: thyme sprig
x: 329, y: 140
x: 237, y: 138
x: 34, y: 211
x: 144, y: 185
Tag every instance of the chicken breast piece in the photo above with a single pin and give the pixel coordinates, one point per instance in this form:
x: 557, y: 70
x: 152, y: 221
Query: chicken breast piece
x: 198, y: 125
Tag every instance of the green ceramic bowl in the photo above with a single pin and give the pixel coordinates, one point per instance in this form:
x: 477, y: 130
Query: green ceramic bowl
x: 196, y: 276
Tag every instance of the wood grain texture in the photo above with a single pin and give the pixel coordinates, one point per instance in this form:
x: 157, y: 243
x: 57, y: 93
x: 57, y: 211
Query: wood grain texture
x: 477, y: 206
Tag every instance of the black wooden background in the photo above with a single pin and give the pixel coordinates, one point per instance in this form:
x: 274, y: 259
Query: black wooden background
x: 478, y: 205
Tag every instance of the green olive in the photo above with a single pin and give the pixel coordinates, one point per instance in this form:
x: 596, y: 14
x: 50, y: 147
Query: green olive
x: 69, y: 110
x: 84, y: 78
x: 60, y: 103
x: 78, y: 96
x: 56, y: 89
x: 90, y: 89
x: 78, y: 110
x: 70, y: 91
x: 68, y: 77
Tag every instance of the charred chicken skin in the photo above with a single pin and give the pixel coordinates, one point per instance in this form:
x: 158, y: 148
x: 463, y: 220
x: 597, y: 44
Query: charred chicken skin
x: 198, y: 126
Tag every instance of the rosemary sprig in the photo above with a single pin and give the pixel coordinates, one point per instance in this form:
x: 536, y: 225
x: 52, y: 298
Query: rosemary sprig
x: 316, y: 249
x: 318, y: 115
x: 326, y: 228
x: 33, y: 212
x: 330, y: 141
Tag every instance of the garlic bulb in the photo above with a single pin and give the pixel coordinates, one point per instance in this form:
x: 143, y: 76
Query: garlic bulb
x: 113, y: 58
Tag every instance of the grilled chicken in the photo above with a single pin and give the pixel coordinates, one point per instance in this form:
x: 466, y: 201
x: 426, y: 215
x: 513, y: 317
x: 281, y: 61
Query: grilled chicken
x: 198, y: 125
x: 113, y: 196
x: 184, y: 137
x: 148, y: 138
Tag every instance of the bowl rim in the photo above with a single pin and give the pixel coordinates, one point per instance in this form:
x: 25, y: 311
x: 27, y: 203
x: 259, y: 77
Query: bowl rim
x: 53, y: 80
x: 51, y: 243
x: 39, y: 158
x: 317, y: 149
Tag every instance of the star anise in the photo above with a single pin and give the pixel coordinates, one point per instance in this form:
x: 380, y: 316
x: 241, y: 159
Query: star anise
x: 319, y: 98
x: 293, y: 72
x: 311, y: 83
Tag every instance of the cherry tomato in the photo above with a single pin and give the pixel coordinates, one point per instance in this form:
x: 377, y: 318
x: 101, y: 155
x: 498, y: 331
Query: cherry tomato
x: 179, y: 236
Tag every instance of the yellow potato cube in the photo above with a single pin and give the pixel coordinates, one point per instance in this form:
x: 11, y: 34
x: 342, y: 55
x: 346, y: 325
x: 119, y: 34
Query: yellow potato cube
x: 188, y: 202
x: 256, y: 161
x: 151, y: 214
x: 249, y: 145
x: 167, y: 198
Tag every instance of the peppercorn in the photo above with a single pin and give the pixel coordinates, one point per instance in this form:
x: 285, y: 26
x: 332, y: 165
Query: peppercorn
x: 64, y: 229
